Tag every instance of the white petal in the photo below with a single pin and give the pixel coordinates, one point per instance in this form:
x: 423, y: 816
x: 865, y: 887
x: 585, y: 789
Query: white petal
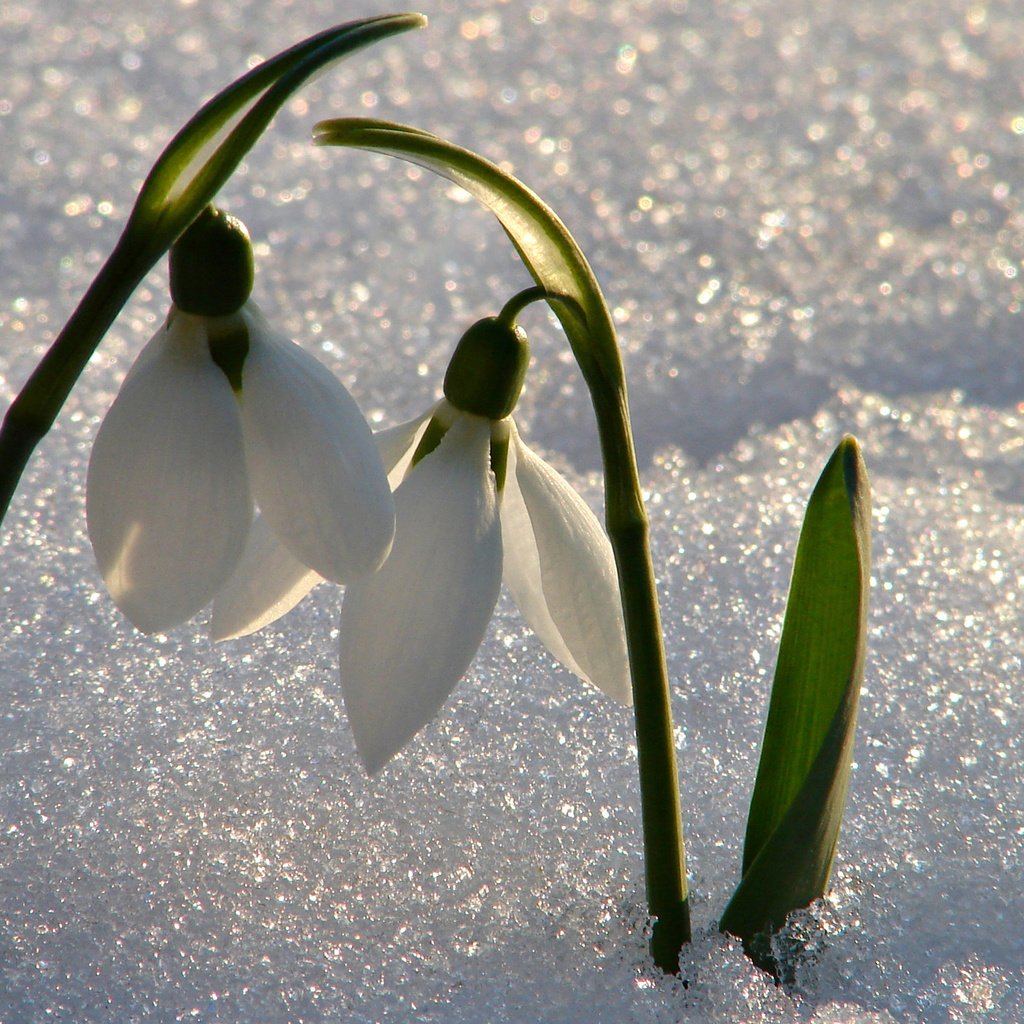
x: 560, y: 569
x: 410, y: 631
x: 168, y: 502
x: 269, y: 580
x: 313, y: 465
x: 397, y: 445
x: 155, y: 346
x: 267, y: 583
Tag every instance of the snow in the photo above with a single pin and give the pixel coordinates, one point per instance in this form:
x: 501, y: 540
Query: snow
x: 807, y: 221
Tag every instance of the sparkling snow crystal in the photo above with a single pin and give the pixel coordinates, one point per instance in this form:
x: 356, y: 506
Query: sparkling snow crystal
x: 807, y: 221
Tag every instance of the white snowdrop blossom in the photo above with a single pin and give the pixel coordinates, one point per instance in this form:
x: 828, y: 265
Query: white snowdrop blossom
x: 410, y: 631
x: 474, y: 506
x: 217, y: 414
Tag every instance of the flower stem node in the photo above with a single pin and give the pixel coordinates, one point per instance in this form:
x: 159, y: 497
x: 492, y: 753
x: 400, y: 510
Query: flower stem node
x: 487, y: 370
x: 212, y: 267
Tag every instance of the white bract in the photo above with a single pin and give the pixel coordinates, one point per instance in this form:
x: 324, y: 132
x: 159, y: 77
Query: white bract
x: 181, y: 458
x: 410, y: 630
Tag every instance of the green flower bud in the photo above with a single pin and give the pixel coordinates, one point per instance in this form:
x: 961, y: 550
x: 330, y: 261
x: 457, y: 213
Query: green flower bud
x: 486, y: 372
x: 212, y: 265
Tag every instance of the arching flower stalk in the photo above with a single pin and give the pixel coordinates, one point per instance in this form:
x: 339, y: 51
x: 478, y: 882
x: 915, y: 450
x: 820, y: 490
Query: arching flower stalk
x: 186, y: 177
x: 557, y: 264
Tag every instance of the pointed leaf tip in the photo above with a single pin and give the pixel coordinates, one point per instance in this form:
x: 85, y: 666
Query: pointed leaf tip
x: 858, y: 486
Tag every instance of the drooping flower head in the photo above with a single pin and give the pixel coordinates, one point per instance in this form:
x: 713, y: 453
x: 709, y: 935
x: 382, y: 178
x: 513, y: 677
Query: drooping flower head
x: 218, y: 413
x: 475, y: 506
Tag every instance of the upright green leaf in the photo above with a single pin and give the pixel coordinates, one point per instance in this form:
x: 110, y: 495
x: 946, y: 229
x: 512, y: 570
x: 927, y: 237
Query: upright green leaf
x: 187, y: 175
x: 557, y: 264
x: 800, y: 792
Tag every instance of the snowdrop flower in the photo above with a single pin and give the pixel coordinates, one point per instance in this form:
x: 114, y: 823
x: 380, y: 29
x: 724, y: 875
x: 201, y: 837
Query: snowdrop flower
x: 218, y: 412
x: 474, y: 506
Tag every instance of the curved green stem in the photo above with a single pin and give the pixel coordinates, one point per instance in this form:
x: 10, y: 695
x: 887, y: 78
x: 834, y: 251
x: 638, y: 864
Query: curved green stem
x: 190, y: 171
x: 33, y: 411
x: 626, y: 520
x: 511, y: 310
x: 557, y: 264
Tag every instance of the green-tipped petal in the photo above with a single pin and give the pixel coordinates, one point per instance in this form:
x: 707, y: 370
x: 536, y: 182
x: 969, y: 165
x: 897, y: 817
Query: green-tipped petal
x: 167, y: 498
x: 800, y: 793
x: 398, y: 444
x: 410, y: 631
x: 560, y: 570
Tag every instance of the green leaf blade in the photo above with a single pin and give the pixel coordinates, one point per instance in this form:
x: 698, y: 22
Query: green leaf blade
x: 800, y: 793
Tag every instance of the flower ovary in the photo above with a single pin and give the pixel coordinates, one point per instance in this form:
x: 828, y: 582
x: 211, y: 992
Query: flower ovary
x: 486, y: 372
x: 212, y: 266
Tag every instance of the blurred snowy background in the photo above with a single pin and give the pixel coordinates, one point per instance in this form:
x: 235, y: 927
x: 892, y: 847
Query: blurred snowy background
x: 807, y: 219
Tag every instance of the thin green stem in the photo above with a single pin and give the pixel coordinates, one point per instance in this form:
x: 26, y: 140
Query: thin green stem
x: 628, y: 529
x: 667, y: 893
x: 32, y: 413
x: 559, y: 266
x: 511, y: 310
x: 626, y: 520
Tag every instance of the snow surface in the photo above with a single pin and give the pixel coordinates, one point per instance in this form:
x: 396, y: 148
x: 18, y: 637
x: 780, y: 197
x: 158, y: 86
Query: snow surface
x: 807, y: 218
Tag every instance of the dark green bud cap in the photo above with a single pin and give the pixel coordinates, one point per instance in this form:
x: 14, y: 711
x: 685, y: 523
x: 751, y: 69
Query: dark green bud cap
x: 487, y: 370
x: 212, y: 265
